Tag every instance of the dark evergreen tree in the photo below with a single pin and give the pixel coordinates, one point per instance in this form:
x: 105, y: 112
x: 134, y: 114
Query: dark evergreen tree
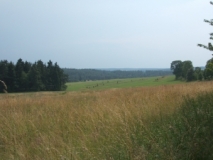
x: 50, y: 76
x: 64, y: 79
x: 19, y: 69
x: 27, y: 66
x: 11, y: 77
x: 24, y: 76
x: 60, y: 78
x: 41, y: 67
x: 56, y: 77
x: 35, y: 83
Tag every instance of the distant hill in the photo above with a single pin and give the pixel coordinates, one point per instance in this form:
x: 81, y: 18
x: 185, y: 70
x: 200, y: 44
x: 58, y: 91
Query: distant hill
x: 133, y: 69
x: 137, y: 69
x: 75, y: 75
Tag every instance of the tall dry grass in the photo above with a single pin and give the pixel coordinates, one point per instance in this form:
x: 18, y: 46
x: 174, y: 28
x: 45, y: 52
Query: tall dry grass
x: 111, y: 124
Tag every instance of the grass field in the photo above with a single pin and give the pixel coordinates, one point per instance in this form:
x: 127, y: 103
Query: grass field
x: 116, y: 124
x: 121, y: 83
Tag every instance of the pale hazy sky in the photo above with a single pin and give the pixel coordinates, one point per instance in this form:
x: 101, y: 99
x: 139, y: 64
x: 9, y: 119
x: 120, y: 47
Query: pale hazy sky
x: 105, y: 33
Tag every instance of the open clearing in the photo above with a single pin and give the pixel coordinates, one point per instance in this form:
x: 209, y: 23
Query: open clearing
x: 121, y: 83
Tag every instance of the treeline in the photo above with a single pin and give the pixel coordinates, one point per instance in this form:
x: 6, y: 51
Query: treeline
x: 26, y: 76
x: 184, y: 70
x: 76, y: 75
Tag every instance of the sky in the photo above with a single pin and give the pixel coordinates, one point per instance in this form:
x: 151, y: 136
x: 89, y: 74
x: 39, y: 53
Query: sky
x: 105, y: 33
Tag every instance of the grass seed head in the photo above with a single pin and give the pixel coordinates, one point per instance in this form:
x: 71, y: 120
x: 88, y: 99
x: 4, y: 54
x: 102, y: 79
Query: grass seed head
x: 4, y: 86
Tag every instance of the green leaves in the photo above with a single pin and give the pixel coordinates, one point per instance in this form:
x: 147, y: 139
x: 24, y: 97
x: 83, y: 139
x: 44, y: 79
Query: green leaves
x: 209, y: 47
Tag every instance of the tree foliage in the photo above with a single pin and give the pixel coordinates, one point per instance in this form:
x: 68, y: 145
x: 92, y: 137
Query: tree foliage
x: 198, y: 73
x: 208, y: 72
x: 185, y: 70
x: 186, y: 66
x: 190, y: 76
x: 209, y: 46
x: 176, y: 67
x: 25, y: 76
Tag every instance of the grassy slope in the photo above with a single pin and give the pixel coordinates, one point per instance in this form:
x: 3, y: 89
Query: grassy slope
x: 121, y: 83
x: 133, y: 123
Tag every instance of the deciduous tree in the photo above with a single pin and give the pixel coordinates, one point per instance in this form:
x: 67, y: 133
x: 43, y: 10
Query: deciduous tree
x: 176, y: 67
x: 208, y: 72
x: 209, y: 46
x: 186, y: 66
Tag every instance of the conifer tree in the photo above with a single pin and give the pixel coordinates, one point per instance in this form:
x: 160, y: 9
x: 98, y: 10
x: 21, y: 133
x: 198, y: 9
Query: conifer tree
x: 24, y: 76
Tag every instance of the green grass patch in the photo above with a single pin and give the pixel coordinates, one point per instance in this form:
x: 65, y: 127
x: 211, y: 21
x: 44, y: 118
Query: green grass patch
x: 121, y: 83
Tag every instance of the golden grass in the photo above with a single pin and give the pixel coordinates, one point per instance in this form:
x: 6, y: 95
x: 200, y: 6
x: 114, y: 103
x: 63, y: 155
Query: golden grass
x: 86, y: 125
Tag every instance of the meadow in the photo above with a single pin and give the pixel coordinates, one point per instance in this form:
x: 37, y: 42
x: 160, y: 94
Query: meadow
x: 157, y: 122
x: 121, y: 83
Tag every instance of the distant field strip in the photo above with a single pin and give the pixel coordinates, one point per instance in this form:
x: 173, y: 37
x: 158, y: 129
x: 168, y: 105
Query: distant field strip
x: 121, y: 83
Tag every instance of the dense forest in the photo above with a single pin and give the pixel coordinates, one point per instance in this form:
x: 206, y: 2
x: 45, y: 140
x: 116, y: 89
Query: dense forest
x: 25, y: 76
x: 76, y: 75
